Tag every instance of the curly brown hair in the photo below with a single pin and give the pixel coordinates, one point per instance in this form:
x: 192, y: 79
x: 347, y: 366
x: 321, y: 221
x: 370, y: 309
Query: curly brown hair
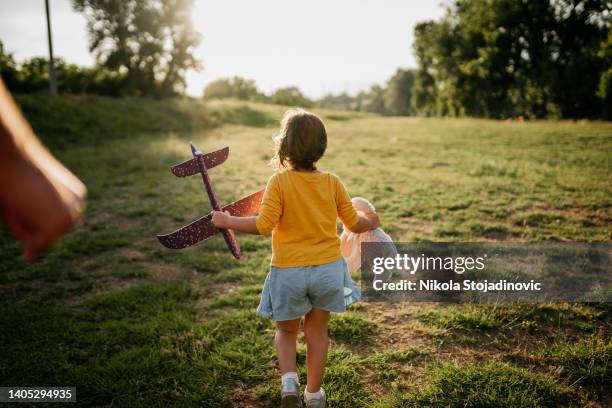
x: 301, y: 142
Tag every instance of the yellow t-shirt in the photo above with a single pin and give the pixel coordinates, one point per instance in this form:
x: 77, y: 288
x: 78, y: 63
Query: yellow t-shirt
x: 301, y: 209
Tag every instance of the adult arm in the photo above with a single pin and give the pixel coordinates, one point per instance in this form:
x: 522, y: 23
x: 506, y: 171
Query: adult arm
x: 40, y: 199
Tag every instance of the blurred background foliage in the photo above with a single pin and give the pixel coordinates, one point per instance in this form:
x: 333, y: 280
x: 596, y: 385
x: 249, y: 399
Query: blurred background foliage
x: 141, y: 47
x: 507, y: 58
x: 485, y: 58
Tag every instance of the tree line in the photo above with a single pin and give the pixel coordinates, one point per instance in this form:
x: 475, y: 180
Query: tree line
x: 32, y: 75
x: 504, y: 59
x: 392, y: 99
x: 246, y: 89
x: 509, y: 58
x: 498, y: 59
x: 141, y: 47
x: 483, y: 58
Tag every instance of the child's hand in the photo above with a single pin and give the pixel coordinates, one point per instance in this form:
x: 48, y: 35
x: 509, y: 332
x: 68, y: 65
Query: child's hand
x: 373, y: 219
x: 367, y: 222
x: 220, y: 219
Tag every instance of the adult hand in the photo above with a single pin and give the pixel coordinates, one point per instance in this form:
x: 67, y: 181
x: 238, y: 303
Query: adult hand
x: 39, y: 211
x: 40, y: 199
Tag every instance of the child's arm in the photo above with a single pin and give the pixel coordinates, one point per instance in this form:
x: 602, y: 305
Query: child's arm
x: 262, y: 224
x: 242, y: 224
x: 349, y: 216
x: 367, y: 222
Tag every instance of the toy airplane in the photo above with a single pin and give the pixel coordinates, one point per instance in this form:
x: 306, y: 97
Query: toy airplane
x: 202, y: 228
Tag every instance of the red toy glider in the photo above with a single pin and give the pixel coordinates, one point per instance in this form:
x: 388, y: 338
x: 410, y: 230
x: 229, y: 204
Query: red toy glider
x: 202, y: 228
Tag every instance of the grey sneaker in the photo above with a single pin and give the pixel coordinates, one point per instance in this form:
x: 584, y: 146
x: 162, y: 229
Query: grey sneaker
x: 290, y: 394
x: 317, y: 403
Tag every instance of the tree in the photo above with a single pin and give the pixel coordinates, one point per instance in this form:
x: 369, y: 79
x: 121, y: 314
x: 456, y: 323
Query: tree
x: 372, y: 100
x: 398, y: 95
x: 505, y: 58
x: 579, y: 28
x: 604, y: 89
x: 236, y: 87
x: 290, y: 96
x: 8, y: 68
x: 150, y: 41
x: 431, y: 85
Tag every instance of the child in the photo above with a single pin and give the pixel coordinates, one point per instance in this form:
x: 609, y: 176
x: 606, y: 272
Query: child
x: 307, y: 274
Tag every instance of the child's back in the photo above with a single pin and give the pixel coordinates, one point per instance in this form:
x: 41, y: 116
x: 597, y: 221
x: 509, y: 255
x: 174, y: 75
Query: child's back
x: 301, y: 209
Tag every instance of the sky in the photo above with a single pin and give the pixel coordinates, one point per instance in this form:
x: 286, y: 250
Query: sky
x: 321, y: 46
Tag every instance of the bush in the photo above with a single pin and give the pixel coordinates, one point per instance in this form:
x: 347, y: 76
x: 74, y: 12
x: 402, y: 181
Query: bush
x: 290, y: 96
x: 236, y: 87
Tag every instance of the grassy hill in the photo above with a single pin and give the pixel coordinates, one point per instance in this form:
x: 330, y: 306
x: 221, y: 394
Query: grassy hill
x: 131, y: 323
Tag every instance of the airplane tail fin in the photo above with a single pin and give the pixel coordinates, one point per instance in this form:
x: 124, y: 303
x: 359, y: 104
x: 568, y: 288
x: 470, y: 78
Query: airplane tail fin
x: 190, y: 167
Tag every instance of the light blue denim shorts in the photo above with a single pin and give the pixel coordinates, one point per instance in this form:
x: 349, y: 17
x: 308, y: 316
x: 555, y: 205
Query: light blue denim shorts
x: 290, y: 293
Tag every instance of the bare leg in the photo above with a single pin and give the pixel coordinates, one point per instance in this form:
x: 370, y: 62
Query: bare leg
x: 317, y: 343
x: 285, y: 341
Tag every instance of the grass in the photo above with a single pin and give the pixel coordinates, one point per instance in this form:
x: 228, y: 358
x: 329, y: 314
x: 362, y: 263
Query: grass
x: 588, y: 360
x: 351, y: 328
x: 488, y: 385
x: 467, y: 318
x: 131, y: 323
x: 508, y: 319
x: 393, y: 366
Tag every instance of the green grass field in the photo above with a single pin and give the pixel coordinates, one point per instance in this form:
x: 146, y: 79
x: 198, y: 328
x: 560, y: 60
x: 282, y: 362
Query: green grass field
x: 131, y: 323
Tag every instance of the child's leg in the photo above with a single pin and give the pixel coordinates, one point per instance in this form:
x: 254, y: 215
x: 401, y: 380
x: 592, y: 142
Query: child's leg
x: 317, y: 343
x: 286, y: 340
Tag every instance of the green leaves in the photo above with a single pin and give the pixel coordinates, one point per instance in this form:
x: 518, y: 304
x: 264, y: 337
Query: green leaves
x: 504, y: 58
x: 150, y: 41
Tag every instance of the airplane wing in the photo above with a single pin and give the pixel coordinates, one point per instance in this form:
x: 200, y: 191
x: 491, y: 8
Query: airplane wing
x: 202, y: 228
x: 190, y: 167
x: 246, y: 206
x: 199, y: 230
